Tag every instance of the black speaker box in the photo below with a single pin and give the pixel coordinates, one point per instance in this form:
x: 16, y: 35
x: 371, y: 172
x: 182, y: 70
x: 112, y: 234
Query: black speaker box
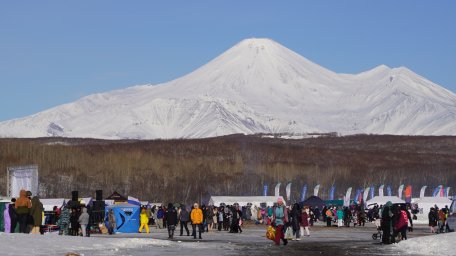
x: 74, y: 195
x: 99, y: 195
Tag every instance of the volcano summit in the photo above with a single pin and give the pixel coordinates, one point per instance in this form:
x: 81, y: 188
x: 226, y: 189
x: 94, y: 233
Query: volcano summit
x: 257, y: 86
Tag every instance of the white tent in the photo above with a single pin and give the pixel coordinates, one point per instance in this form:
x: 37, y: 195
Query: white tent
x: 382, y: 200
x: 424, y: 205
x: 244, y: 200
x: 49, y: 203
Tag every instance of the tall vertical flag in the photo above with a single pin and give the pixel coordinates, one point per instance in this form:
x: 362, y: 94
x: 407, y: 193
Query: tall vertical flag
x: 447, y: 192
x: 408, y: 194
x: 331, y: 193
x: 399, y: 191
x: 265, y: 190
x: 288, y: 191
x: 366, y: 194
x: 347, y: 197
x: 304, y: 192
x: 372, y: 192
x: 316, y: 189
x: 437, y: 191
x: 389, y: 192
x: 422, y: 191
x: 356, y: 198
x: 442, y: 191
x: 277, y: 190
x: 380, y: 190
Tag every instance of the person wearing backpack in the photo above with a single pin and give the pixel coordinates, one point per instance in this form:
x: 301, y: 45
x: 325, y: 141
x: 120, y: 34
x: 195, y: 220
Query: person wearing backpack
x: 329, y: 216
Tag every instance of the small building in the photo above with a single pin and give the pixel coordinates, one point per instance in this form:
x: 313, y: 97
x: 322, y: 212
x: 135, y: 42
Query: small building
x: 118, y: 198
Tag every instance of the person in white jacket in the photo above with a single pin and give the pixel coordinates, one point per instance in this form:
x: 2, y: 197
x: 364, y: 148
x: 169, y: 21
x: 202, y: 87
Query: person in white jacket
x: 84, y: 221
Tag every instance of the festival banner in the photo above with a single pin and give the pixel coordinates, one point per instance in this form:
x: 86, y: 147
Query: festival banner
x: 304, y: 193
x: 372, y: 192
x: 442, y: 191
x: 357, y: 196
x: 331, y: 192
x: 380, y: 190
x: 347, y: 197
x: 436, y: 191
x: 389, y: 192
x: 277, y: 190
x: 399, y: 191
x: 265, y: 190
x: 447, y: 192
x: 422, y: 191
x: 316, y: 189
x: 408, y: 194
x: 288, y: 191
x: 365, y: 194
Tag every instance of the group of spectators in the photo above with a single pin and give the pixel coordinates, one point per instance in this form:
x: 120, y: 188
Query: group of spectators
x: 24, y: 214
x: 438, y: 220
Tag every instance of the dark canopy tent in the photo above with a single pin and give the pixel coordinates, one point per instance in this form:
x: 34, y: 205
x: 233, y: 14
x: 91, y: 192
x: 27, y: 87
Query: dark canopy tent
x: 313, y: 202
x: 118, y: 198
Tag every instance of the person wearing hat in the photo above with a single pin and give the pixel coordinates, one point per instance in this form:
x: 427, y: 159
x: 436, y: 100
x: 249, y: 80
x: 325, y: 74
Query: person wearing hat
x: 196, y: 217
x: 279, y: 218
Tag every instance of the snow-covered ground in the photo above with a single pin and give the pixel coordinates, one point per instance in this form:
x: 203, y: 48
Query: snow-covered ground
x: 442, y: 245
x: 252, y: 242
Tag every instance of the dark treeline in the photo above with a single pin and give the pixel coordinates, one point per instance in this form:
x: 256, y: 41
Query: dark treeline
x: 188, y: 170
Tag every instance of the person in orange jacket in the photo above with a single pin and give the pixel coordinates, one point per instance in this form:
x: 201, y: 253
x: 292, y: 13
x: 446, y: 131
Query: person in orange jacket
x: 196, y: 216
x: 23, y: 206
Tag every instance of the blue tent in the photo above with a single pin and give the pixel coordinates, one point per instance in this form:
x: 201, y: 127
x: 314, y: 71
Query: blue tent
x: 127, y: 217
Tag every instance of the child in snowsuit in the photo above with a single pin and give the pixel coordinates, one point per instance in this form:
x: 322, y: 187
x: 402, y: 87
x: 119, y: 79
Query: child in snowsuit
x: 64, y: 221
x: 144, y: 218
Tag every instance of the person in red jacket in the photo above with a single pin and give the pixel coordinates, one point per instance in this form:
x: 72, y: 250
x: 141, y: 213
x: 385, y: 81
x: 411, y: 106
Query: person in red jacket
x: 401, y: 223
x: 304, y: 225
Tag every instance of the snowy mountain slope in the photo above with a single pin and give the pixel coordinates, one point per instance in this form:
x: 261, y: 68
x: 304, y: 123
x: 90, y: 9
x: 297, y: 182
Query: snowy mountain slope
x: 256, y: 86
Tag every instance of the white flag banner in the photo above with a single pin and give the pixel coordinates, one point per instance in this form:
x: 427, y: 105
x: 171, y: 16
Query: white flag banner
x: 316, y: 189
x: 380, y: 191
x: 399, y: 191
x: 366, y: 194
x: 347, y: 197
x: 422, y: 191
x: 288, y: 191
x: 22, y: 177
x: 277, y: 190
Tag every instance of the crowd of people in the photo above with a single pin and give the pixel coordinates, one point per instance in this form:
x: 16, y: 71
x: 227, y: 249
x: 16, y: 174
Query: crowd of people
x: 26, y: 215
x: 202, y: 219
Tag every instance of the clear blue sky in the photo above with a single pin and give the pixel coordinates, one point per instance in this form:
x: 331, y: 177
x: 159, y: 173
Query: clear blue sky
x: 54, y: 52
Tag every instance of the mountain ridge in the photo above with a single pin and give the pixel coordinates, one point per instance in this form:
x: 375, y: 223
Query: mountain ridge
x: 256, y: 86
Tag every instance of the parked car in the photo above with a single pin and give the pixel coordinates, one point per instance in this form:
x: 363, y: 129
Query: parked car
x: 452, y: 216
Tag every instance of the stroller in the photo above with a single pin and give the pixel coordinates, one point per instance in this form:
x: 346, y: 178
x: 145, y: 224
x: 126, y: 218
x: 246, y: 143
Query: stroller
x: 378, y: 235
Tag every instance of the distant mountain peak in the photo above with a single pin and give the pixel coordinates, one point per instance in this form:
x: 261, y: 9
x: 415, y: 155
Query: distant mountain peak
x: 256, y: 86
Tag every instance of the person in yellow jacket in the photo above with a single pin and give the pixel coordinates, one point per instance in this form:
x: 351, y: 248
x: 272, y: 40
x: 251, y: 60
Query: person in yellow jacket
x: 196, y: 216
x: 144, y: 218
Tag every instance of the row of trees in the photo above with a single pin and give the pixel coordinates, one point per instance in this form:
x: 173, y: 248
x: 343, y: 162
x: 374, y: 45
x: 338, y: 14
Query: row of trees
x: 188, y: 170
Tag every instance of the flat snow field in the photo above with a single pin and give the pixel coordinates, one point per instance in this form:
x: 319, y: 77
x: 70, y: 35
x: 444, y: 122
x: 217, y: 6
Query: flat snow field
x: 323, y: 241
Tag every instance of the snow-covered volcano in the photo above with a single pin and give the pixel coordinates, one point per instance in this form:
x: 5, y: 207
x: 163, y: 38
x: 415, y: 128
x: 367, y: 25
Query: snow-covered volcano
x: 257, y: 86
